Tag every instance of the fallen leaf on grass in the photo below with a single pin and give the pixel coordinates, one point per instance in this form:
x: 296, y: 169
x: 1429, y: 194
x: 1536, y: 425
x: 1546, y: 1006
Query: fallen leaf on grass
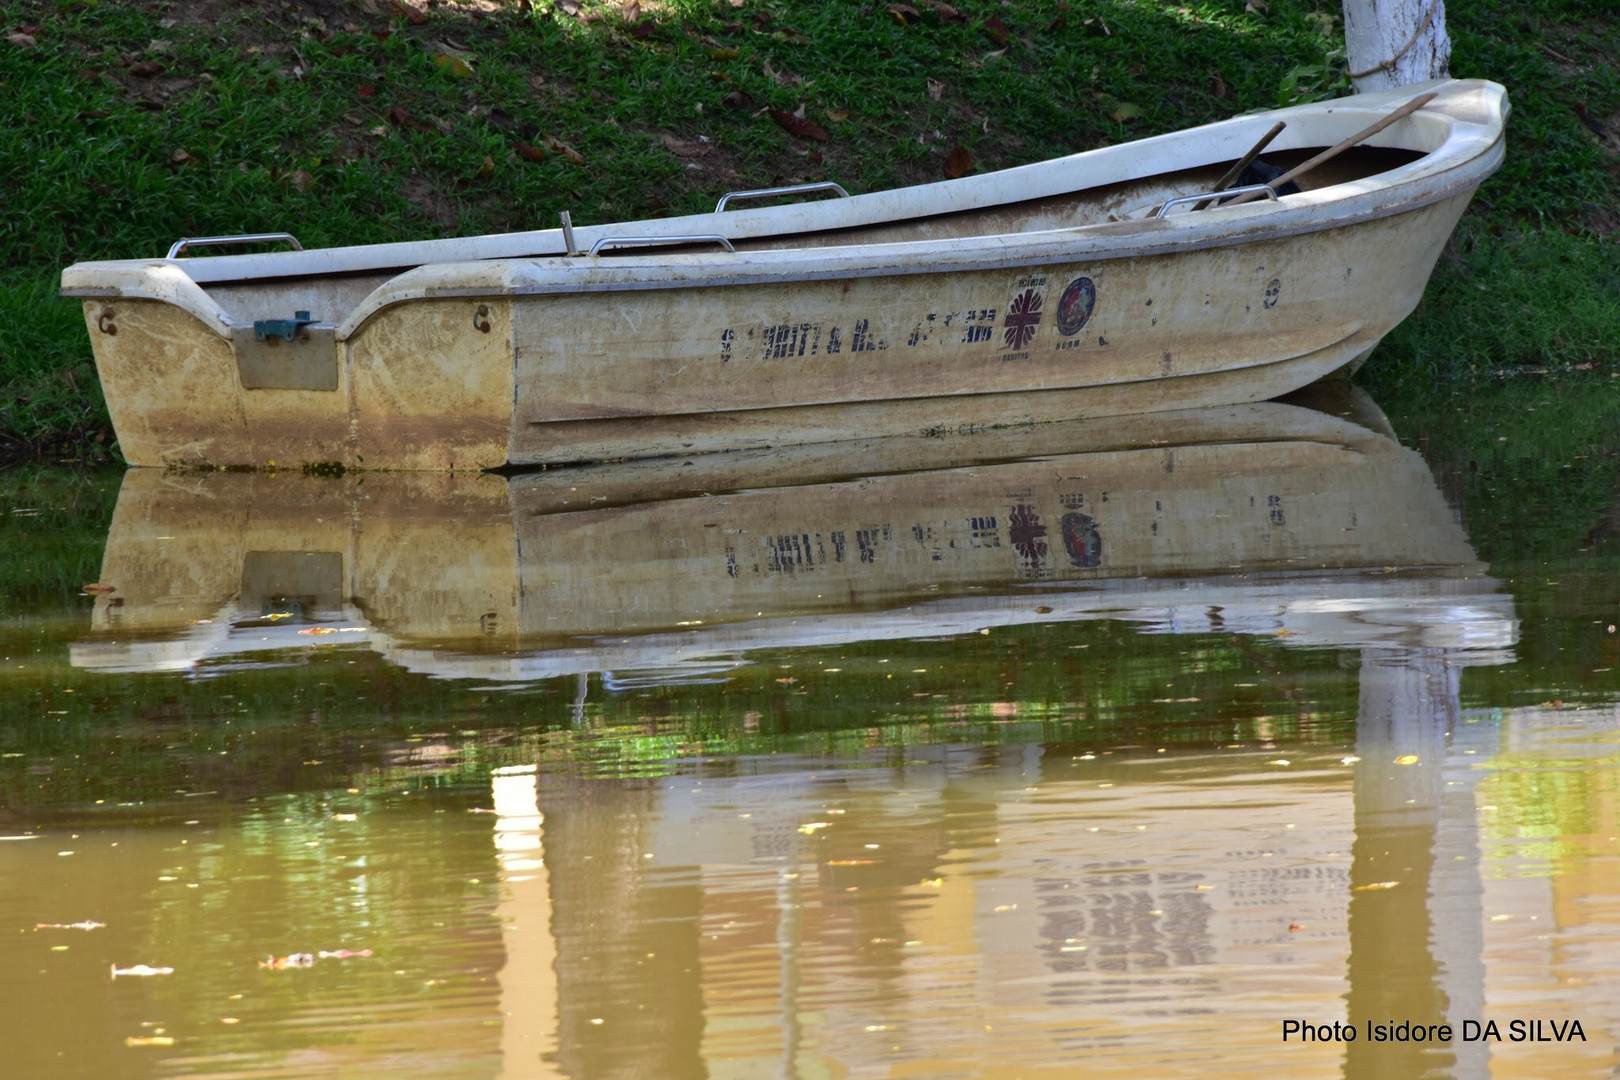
x: 557, y: 146
x: 736, y: 99
x: 958, y: 163
x: 487, y: 169
x: 22, y: 41
x: 904, y: 12
x: 529, y: 153
x: 997, y: 31
x: 946, y: 14
x: 412, y: 14
x: 146, y: 69
x: 1126, y: 112
x: 682, y: 149
x: 799, y: 125
x: 299, y: 180
x: 180, y: 157
x: 454, y: 66
x: 400, y: 115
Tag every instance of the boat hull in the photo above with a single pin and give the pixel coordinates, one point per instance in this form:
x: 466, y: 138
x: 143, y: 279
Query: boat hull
x: 492, y: 380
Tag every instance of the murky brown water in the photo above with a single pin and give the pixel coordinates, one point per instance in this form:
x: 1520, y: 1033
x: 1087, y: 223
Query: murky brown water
x: 1108, y: 761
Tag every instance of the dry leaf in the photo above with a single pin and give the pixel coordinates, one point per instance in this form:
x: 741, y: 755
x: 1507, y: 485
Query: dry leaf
x: 997, y: 31
x: 529, y: 153
x: 631, y: 11
x: 838, y: 116
x: 936, y: 89
x: 1218, y: 87
x: 1257, y: 6
x: 736, y: 99
x: 300, y: 180
x: 1126, y: 113
x: 560, y: 147
x: 904, y: 12
x: 683, y: 149
x: 487, y: 169
x: 180, y: 156
x: 958, y: 163
x: 800, y: 126
x: 146, y: 69
x: 413, y: 14
x: 22, y: 41
x: 454, y: 66
x: 947, y: 14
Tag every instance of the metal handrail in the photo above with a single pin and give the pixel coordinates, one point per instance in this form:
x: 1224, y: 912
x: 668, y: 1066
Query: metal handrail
x: 659, y: 241
x: 765, y: 193
x: 1227, y: 193
x: 221, y: 241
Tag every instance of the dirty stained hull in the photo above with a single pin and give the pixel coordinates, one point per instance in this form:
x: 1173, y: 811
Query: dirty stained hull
x: 486, y: 381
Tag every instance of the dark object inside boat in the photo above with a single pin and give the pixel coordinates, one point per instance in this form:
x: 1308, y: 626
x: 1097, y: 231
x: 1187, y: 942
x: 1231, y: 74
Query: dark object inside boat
x: 1260, y: 172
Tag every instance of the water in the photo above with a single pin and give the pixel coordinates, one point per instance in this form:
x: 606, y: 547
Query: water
x: 1109, y: 749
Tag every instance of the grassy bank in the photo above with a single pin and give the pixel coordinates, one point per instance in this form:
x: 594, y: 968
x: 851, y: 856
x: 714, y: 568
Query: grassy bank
x: 130, y: 124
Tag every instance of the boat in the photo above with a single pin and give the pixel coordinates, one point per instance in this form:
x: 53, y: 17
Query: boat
x: 1272, y: 519
x: 1137, y: 278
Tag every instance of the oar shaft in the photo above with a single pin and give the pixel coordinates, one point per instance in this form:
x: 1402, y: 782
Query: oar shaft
x: 1338, y: 148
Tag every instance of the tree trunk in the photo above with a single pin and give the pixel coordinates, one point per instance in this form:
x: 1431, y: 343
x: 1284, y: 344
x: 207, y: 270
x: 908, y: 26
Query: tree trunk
x: 1395, y: 42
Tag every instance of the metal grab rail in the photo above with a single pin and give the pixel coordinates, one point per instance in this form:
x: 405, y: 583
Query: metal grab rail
x: 765, y: 193
x: 1250, y: 189
x: 659, y: 241
x: 221, y: 241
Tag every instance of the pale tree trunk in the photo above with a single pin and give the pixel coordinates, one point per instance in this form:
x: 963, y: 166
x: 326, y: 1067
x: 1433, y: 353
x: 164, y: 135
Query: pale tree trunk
x: 1391, y: 43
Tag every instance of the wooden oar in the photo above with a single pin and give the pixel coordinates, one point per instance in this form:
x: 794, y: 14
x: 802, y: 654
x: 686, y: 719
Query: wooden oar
x: 1242, y: 163
x: 1338, y: 148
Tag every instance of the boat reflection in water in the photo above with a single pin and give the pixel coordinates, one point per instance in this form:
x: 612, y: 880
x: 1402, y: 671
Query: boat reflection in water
x: 1014, y: 907
x: 1261, y: 519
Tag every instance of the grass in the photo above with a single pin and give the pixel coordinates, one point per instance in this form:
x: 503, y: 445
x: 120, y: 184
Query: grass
x: 130, y: 124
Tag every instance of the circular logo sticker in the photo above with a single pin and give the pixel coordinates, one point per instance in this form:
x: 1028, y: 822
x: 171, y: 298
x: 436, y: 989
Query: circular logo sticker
x: 1074, y: 306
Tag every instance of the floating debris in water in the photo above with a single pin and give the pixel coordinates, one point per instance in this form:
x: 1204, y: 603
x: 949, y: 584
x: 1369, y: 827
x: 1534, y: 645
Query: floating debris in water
x: 140, y: 970
x: 291, y: 960
x: 149, y: 1040
x: 87, y: 924
x: 343, y: 954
